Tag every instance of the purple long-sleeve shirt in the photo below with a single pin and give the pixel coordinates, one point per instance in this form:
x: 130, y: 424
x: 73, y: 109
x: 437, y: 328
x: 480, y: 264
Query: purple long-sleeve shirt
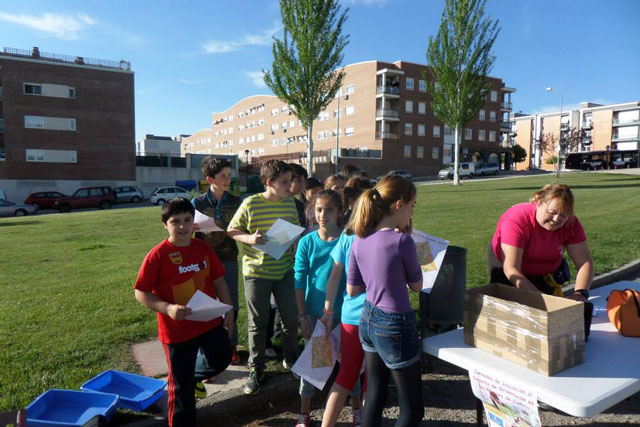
x: 384, y: 262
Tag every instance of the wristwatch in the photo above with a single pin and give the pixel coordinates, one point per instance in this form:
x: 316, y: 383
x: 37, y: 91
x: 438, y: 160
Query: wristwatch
x: 583, y: 292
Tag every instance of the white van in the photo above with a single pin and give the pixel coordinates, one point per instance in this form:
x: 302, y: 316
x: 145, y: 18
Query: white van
x: 467, y: 169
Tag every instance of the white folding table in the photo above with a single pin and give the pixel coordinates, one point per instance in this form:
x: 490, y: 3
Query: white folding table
x: 609, y: 374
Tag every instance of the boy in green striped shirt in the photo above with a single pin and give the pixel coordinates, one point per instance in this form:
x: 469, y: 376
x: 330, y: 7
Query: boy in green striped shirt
x: 264, y: 275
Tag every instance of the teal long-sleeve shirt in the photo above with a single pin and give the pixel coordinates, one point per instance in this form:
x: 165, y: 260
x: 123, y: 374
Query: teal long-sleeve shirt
x: 312, y: 269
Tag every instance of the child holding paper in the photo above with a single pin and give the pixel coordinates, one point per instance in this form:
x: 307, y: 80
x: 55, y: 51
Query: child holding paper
x: 312, y: 268
x: 264, y: 274
x: 383, y: 261
x: 170, y: 275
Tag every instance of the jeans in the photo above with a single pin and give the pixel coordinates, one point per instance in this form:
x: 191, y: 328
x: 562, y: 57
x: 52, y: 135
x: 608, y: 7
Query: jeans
x: 231, y: 277
x: 393, y: 336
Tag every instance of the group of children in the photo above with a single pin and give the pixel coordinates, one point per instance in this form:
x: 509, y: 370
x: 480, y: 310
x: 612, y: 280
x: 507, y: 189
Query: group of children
x: 357, y: 239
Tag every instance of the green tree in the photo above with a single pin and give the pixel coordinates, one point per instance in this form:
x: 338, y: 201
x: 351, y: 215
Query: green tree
x: 518, y: 154
x: 460, y: 58
x: 305, y: 73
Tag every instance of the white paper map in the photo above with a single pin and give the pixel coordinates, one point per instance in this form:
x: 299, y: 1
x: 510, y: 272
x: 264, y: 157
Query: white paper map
x: 507, y: 402
x: 205, y: 223
x: 303, y: 366
x: 204, y: 308
x: 431, y: 252
x: 280, y: 236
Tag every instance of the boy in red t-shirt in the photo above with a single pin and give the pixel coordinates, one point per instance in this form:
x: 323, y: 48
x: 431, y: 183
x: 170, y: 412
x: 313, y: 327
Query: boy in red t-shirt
x: 170, y: 275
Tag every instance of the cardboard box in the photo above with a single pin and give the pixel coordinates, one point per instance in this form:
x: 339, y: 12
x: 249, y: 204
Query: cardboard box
x: 540, y: 332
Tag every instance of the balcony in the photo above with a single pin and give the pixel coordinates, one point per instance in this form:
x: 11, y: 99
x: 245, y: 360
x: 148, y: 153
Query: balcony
x: 70, y: 59
x: 386, y: 135
x: 387, y: 114
x: 505, y: 125
x: 564, y: 126
x: 388, y: 90
x: 506, y: 106
x: 587, y: 125
x: 617, y: 122
x: 625, y: 138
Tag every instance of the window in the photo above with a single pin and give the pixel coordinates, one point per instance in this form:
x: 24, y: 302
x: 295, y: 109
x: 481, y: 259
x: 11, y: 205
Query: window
x: 274, y: 127
x: 72, y: 124
x: 274, y: 142
x: 274, y: 112
x: 481, y: 115
x: 420, y: 152
x: 72, y: 92
x: 348, y: 90
x: 348, y: 131
x: 468, y: 134
x: 492, y: 116
x: 436, y: 131
x: 35, y: 155
x: 407, y: 151
x: 335, y: 113
x: 284, y: 108
x: 494, y: 96
x: 260, y: 122
x: 421, y: 130
x: 448, y: 130
x: 323, y: 135
x: 435, y: 152
x: 422, y: 85
x: 34, y: 122
x: 408, y: 129
x: 409, y: 83
x: 51, y: 156
x: 422, y: 107
x: 349, y: 110
x: 240, y: 141
x: 32, y: 89
x: 492, y: 135
x: 408, y: 106
x: 292, y: 123
x: 323, y: 116
x: 481, y: 135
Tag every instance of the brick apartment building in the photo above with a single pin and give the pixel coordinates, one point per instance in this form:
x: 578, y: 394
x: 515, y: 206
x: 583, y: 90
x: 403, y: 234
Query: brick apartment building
x: 613, y: 126
x: 381, y: 120
x: 65, y: 121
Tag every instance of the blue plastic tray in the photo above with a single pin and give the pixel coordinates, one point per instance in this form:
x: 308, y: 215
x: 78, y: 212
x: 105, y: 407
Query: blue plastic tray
x: 136, y: 392
x: 69, y: 408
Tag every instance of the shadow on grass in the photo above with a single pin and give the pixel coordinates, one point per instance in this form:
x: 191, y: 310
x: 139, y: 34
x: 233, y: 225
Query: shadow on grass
x: 16, y: 223
x: 573, y: 187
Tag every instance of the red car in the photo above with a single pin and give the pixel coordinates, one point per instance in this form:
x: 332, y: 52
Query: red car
x: 87, y: 197
x: 43, y: 199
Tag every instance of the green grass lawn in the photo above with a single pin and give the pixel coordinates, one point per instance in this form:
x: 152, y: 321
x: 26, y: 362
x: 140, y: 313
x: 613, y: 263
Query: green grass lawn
x: 67, y: 307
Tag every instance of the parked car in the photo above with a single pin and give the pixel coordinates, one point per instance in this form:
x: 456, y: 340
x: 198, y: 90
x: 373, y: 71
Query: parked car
x: 488, y: 169
x: 43, y: 199
x: 467, y: 169
x: 160, y: 195
x: 401, y: 173
x: 87, y: 197
x: 128, y: 194
x: 8, y: 208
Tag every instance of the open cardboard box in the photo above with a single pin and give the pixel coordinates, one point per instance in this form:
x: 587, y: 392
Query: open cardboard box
x: 540, y: 332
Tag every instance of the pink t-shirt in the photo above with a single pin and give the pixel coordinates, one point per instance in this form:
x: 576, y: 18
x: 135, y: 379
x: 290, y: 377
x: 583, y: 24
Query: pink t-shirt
x: 543, y: 249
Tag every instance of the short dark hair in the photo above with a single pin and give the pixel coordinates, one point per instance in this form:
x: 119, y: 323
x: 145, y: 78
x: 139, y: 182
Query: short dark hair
x: 348, y: 169
x: 211, y: 165
x: 177, y: 206
x: 297, y: 171
x: 272, y: 169
x: 312, y: 183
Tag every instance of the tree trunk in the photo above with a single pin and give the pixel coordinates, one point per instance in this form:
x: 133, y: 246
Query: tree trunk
x: 310, y: 150
x: 456, y: 162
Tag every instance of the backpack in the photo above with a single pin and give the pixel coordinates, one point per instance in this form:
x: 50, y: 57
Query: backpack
x: 623, y: 309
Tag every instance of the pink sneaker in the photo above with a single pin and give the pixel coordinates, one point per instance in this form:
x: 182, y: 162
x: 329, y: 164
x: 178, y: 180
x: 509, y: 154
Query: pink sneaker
x: 357, y: 417
x: 304, y: 420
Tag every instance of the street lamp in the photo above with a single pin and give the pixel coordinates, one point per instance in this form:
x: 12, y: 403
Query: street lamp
x: 346, y: 98
x: 551, y: 89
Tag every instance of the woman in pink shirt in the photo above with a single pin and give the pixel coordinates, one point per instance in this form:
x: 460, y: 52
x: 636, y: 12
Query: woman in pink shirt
x: 527, y: 249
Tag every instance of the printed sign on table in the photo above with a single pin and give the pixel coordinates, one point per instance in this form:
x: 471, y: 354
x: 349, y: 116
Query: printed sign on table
x: 431, y: 251
x: 507, y: 402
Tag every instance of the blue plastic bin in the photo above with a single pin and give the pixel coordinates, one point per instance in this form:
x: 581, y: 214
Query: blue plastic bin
x: 136, y: 392
x: 69, y: 408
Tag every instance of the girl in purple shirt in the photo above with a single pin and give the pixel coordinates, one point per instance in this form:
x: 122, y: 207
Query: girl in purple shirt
x: 383, y: 261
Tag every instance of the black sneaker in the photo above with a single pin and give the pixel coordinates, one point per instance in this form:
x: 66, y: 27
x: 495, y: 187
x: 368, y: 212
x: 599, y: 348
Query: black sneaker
x: 252, y: 386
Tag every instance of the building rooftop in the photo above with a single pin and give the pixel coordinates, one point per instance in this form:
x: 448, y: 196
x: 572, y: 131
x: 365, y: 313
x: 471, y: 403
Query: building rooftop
x: 35, y: 53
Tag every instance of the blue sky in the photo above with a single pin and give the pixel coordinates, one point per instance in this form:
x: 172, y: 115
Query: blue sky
x: 196, y: 57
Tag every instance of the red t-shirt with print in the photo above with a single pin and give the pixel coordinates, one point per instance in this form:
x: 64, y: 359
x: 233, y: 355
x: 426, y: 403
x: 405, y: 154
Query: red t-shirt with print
x: 174, y: 273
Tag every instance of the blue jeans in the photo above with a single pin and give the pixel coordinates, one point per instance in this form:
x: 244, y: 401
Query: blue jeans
x: 393, y: 336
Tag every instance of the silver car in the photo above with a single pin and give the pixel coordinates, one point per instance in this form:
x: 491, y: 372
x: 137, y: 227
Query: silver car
x: 8, y: 208
x: 129, y: 193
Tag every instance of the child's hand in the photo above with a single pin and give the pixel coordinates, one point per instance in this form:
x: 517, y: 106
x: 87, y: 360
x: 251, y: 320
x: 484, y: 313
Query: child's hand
x: 257, y: 238
x: 228, y: 322
x: 196, y: 227
x: 305, y: 327
x: 178, y: 312
x: 327, y: 320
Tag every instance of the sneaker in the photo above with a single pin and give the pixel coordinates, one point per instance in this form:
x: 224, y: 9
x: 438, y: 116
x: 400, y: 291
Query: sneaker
x: 270, y: 353
x: 304, y: 420
x: 357, y: 417
x: 200, y: 391
x: 252, y: 386
x: 235, y: 357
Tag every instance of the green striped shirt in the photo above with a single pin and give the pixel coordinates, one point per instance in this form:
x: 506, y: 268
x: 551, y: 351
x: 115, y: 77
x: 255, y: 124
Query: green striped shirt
x: 258, y: 213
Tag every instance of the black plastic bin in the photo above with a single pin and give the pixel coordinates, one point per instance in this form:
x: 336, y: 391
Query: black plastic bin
x: 443, y: 308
